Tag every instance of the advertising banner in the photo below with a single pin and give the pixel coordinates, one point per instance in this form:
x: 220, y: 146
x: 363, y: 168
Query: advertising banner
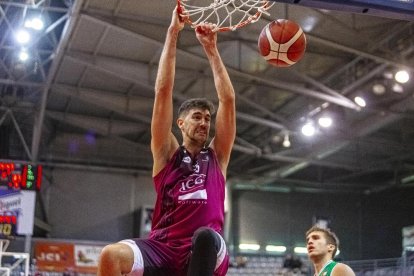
x: 56, y: 257
x: 67, y: 257
x: 87, y: 257
x: 22, y: 205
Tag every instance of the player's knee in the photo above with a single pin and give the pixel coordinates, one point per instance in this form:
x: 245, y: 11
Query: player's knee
x: 205, y: 237
x: 116, y: 255
x: 109, y: 254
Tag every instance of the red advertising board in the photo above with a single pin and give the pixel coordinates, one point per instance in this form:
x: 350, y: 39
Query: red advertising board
x: 61, y: 257
x: 57, y: 257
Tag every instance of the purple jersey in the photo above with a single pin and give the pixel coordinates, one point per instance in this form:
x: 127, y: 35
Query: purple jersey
x: 190, y: 194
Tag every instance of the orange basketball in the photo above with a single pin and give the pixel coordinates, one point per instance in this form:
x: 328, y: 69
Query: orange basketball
x: 282, y: 43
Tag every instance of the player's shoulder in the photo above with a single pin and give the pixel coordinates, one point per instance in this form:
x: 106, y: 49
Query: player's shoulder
x: 342, y: 269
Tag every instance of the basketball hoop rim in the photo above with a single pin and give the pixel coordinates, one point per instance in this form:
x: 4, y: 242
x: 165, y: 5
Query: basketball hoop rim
x: 260, y: 10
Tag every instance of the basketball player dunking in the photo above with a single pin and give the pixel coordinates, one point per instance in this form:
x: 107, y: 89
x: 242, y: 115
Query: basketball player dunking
x: 189, y: 179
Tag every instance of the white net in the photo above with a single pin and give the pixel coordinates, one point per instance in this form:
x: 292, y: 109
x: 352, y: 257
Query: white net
x: 13, y: 263
x: 227, y: 15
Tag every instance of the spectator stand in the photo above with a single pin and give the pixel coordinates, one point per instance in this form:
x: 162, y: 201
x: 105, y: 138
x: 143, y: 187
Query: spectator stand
x: 263, y: 265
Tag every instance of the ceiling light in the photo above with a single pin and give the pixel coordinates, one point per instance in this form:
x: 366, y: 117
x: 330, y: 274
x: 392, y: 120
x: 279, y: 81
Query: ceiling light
x: 397, y: 88
x: 286, y: 142
x: 402, y: 76
x: 22, y: 36
x: 249, y: 246
x: 308, y: 129
x: 360, y: 101
x: 378, y: 89
x: 325, y: 121
x: 300, y: 250
x: 275, y: 248
x: 23, y: 55
x: 35, y: 23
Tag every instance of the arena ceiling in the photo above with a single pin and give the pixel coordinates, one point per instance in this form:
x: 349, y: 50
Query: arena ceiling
x: 84, y: 97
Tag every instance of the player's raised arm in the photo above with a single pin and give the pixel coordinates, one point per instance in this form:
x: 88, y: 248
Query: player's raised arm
x: 163, y: 142
x: 225, y: 125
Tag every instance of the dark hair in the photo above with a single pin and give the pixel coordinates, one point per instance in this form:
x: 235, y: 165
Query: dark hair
x: 189, y: 104
x: 330, y: 237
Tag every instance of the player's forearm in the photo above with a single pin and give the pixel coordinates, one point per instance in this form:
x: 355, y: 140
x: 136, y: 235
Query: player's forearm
x: 166, y: 68
x: 222, y: 80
